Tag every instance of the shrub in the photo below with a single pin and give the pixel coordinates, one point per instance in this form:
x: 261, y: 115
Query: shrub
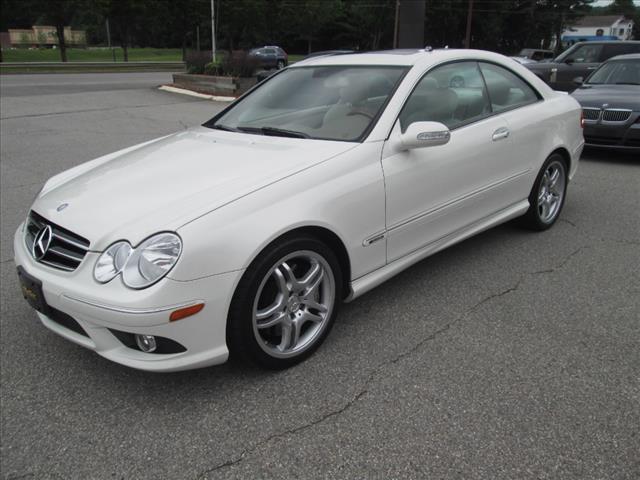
x: 238, y: 64
x: 196, y: 60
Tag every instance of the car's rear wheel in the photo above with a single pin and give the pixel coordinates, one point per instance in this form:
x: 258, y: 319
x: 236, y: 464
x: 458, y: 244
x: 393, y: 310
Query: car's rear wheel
x: 285, y: 304
x: 548, y: 194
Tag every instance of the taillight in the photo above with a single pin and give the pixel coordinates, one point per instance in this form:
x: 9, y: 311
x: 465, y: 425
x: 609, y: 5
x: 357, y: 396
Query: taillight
x: 581, y: 119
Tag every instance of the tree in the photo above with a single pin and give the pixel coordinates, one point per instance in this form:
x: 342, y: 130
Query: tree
x: 125, y: 16
x: 60, y: 13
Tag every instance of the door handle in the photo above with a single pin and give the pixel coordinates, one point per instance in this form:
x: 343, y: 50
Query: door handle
x: 499, y: 134
x: 591, y: 68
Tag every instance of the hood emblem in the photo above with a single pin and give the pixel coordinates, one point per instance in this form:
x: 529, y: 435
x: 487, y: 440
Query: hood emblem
x: 41, y: 242
x: 61, y: 207
x: 605, y: 105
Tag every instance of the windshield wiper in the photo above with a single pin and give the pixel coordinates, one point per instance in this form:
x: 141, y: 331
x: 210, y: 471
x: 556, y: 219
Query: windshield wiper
x: 270, y: 131
x: 219, y: 126
x: 280, y: 132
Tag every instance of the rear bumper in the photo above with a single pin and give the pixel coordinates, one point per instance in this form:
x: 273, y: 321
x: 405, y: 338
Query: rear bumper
x: 101, y: 309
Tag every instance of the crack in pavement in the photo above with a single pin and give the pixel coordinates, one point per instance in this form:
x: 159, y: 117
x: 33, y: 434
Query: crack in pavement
x: 376, y: 370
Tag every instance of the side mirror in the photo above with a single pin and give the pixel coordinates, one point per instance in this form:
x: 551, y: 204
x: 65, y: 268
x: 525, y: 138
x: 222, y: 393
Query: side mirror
x: 425, y: 134
x: 578, y: 81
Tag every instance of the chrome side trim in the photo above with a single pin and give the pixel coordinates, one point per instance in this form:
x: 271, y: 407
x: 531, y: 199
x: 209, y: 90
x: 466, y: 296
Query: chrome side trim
x: 466, y: 196
x: 132, y: 311
x: 376, y: 238
x: 363, y: 284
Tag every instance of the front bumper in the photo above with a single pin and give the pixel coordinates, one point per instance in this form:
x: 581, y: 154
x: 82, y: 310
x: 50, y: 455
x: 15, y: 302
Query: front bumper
x: 101, y: 309
x: 619, y: 136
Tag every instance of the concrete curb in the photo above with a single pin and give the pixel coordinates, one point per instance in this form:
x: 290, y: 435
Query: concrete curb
x: 191, y: 93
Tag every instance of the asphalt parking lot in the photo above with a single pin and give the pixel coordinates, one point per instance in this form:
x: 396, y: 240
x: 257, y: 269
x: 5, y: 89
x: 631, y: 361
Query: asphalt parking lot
x: 512, y: 355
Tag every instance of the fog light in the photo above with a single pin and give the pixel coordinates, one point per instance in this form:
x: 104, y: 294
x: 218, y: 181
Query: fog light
x: 146, y: 343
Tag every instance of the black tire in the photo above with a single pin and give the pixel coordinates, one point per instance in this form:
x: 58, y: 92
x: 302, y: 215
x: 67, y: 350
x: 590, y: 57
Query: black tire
x: 280, y: 65
x: 534, y: 219
x: 242, y: 334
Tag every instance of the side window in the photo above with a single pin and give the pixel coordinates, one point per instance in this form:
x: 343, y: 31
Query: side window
x: 452, y: 94
x: 506, y: 90
x: 585, y: 54
x: 619, y: 49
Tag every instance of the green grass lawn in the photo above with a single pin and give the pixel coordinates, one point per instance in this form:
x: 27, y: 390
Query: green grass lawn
x: 93, y: 55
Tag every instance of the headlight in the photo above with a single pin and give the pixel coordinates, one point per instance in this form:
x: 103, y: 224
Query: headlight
x: 111, y: 262
x: 141, y: 266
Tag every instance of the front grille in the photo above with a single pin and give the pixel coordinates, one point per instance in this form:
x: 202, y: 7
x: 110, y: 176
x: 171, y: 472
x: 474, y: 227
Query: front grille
x: 616, y: 115
x: 591, y: 113
x: 66, y: 249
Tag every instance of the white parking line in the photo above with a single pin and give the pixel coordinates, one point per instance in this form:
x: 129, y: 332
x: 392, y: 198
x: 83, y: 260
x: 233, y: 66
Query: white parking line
x: 215, y: 98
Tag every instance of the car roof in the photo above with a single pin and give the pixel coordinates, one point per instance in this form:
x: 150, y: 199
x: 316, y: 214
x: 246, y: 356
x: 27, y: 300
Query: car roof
x: 400, y: 57
x: 627, y: 56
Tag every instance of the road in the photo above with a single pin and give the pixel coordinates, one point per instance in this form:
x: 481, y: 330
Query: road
x: 511, y: 355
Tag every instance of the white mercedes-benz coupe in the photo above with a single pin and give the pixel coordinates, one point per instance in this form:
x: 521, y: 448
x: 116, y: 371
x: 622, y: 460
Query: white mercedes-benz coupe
x: 243, y: 236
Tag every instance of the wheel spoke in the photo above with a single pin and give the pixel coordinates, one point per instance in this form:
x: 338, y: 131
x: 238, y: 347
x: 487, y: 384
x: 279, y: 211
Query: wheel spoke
x: 286, y: 337
x: 275, y: 320
x: 313, y: 284
x: 314, y: 305
x: 544, y: 209
x: 541, y: 196
x: 275, y: 307
x: 292, y: 282
x: 314, y: 271
x: 281, y: 281
x: 553, y: 178
x: 311, y: 317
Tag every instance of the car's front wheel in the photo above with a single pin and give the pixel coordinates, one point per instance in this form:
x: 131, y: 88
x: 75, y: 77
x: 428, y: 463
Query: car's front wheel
x: 547, y: 195
x: 285, y: 303
x: 280, y: 64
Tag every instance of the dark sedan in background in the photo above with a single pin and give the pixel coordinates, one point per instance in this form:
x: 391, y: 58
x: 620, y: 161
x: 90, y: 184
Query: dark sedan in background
x: 610, y: 100
x: 579, y: 61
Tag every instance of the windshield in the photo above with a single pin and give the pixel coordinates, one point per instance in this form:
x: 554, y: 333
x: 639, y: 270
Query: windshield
x: 329, y: 103
x: 619, y: 72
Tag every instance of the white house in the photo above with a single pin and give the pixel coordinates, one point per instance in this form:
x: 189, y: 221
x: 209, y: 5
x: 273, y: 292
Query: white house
x: 601, y: 27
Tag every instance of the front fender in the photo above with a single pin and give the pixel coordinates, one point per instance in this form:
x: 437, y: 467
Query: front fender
x: 344, y: 195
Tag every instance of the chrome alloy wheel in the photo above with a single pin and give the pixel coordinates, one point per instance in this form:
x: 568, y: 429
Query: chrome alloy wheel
x: 551, y: 192
x: 293, y: 304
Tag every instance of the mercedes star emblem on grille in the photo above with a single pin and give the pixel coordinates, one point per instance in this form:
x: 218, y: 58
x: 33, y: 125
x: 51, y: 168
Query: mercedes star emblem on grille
x: 41, y: 242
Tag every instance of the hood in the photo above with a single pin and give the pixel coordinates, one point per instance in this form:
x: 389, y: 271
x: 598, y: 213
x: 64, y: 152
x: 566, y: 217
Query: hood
x: 164, y: 184
x: 616, y: 96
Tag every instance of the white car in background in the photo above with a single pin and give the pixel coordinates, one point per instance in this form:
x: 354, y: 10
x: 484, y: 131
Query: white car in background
x: 245, y: 235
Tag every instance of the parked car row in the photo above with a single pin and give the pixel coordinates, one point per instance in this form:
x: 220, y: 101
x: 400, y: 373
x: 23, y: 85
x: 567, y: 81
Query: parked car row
x: 579, y: 61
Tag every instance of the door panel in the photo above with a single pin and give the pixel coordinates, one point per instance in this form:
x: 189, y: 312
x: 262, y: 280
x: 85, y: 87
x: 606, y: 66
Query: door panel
x: 435, y: 191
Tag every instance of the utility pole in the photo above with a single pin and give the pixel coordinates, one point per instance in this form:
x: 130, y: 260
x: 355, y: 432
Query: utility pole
x: 397, y: 23
x: 198, y: 37
x: 213, y: 33
x: 467, y: 41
